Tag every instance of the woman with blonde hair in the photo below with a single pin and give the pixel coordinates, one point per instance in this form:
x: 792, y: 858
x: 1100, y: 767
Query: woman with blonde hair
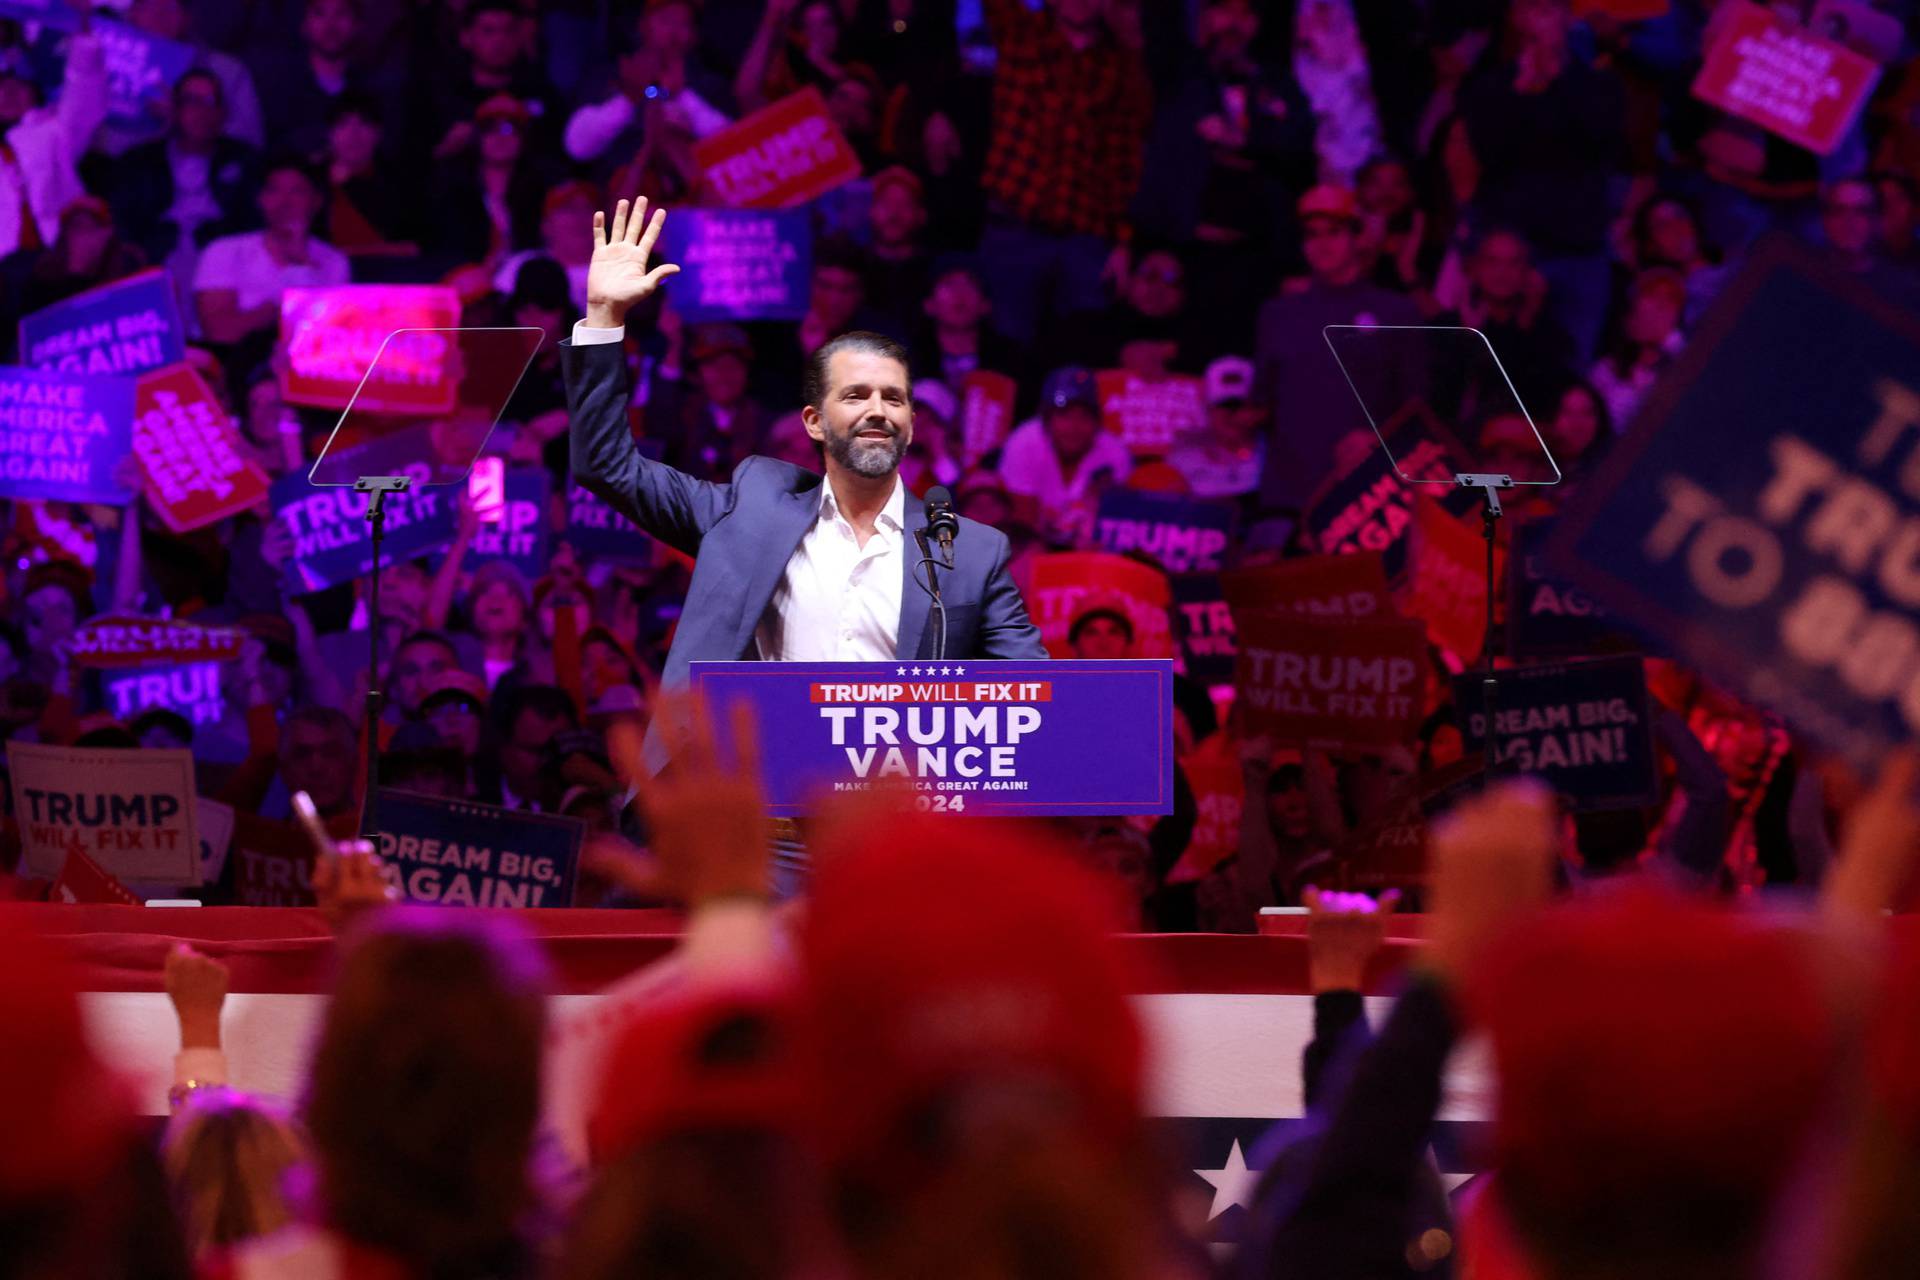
x: 228, y: 1158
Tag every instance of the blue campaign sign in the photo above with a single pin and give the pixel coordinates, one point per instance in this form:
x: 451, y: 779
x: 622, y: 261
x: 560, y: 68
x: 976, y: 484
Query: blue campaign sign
x: 1186, y: 535
x: 476, y: 855
x: 194, y: 690
x: 1762, y: 521
x: 1546, y: 615
x: 63, y: 434
x: 1003, y: 738
x: 597, y: 531
x: 141, y: 68
x: 521, y: 534
x: 127, y: 327
x: 1585, y: 728
x: 332, y: 542
x: 739, y: 264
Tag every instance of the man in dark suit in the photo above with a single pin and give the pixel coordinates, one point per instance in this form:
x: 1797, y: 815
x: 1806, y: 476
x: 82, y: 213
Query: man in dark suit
x: 788, y: 566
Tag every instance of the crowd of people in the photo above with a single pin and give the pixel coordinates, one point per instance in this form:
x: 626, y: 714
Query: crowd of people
x: 1048, y: 191
x: 937, y: 1069
x: 930, y: 1066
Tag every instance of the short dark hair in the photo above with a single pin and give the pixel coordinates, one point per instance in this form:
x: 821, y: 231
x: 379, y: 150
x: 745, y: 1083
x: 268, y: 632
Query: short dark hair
x: 325, y: 719
x: 480, y: 8
x: 293, y: 162
x: 202, y: 73
x: 425, y: 636
x: 549, y: 702
x: 814, y: 383
x: 1113, y: 615
x: 355, y: 102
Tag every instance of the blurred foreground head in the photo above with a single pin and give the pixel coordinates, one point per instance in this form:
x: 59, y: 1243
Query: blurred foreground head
x: 426, y: 1088
x: 702, y: 1174
x: 80, y: 1194
x: 977, y: 1064
x: 229, y: 1158
x: 1661, y: 1066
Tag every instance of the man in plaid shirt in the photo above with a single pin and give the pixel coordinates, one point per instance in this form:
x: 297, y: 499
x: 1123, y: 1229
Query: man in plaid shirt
x: 1071, y: 105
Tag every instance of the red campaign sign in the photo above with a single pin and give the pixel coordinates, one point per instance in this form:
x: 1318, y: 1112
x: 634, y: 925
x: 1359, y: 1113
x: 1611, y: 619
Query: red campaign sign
x: 1219, y: 795
x: 1329, y: 683
x: 783, y: 154
x: 117, y: 640
x: 1388, y: 854
x: 81, y: 879
x: 1622, y: 10
x: 196, y: 466
x: 986, y: 413
x: 1340, y: 586
x: 1446, y: 587
x: 1150, y: 414
x: 1791, y: 82
x: 281, y: 877
x: 1067, y: 584
x: 332, y: 337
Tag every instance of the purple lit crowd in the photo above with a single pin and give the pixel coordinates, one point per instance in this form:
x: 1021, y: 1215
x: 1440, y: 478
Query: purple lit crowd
x: 1705, y: 1024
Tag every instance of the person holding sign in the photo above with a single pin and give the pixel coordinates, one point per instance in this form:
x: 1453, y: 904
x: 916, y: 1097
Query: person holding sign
x: 789, y: 567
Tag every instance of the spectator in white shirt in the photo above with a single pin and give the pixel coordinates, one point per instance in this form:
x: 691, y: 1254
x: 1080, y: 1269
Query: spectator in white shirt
x: 238, y: 284
x: 39, y: 156
x: 1056, y: 465
x: 658, y: 84
x: 1224, y: 460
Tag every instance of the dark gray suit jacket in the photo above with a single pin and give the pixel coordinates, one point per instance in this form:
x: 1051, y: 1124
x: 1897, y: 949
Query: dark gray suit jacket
x: 742, y: 534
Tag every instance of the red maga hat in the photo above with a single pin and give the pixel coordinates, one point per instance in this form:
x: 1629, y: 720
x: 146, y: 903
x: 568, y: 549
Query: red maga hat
x: 941, y: 952
x: 1643, y: 1041
x: 710, y: 1058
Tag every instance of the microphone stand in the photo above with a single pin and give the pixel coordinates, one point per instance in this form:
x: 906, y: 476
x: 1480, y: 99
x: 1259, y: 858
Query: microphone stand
x: 932, y: 585
x: 376, y: 488
x: 1490, y: 486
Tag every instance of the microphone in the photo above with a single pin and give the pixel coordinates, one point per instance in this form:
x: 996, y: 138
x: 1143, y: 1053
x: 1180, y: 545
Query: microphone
x: 941, y: 522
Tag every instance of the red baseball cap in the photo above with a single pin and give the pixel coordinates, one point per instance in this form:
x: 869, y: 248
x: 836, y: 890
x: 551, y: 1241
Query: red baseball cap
x: 937, y: 952
x: 708, y: 1058
x: 71, y: 1118
x: 1644, y: 1041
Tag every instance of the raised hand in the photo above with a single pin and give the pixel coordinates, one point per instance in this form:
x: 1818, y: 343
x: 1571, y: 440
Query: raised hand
x: 1344, y: 930
x: 1491, y: 863
x: 1879, y: 845
x: 197, y: 986
x: 618, y: 277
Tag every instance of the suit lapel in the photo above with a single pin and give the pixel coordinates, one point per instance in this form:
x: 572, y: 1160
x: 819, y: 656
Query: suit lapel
x: 792, y: 516
x: 915, y: 606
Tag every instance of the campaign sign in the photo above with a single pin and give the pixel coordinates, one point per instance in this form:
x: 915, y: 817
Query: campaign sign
x: 1186, y: 535
x: 333, y: 335
x: 1219, y: 796
x: 1331, y: 683
x: 1149, y: 414
x: 1066, y: 584
x: 781, y: 155
x: 1788, y: 80
x: 1762, y: 519
x: 81, y: 879
x: 1204, y: 623
x: 192, y: 689
x: 1370, y: 508
x: 332, y: 542
x: 129, y: 326
x: 215, y: 821
x: 1329, y: 586
x: 140, y: 68
x: 1584, y: 728
x: 596, y: 531
x: 475, y: 855
x: 739, y: 264
x: 196, y: 465
x: 1546, y: 615
x: 516, y: 528
x: 63, y: 434
x: 986, y: 413
x: 112, y: 640
x: 1005, y: 738
x: 130, y: 811
x: 1446, y: 586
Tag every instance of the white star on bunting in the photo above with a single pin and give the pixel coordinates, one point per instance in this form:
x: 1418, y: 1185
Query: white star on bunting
x: 1232, y: 1185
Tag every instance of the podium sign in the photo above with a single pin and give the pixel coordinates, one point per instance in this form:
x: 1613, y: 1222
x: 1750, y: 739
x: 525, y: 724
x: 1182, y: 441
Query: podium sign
x: 1014, y: 738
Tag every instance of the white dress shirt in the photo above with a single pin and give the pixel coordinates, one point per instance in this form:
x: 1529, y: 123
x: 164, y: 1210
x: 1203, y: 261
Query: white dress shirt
x: 838, y: 601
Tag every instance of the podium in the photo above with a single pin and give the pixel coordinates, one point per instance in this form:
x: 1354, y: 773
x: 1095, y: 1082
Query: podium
x: 1001, y: 738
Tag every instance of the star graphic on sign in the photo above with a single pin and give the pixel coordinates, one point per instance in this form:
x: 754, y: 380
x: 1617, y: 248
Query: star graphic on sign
x: 1232, y: 1185
x: 959, y: 671
x: 899, y: 671
x: 916, y: 671
x: 946, y: 671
